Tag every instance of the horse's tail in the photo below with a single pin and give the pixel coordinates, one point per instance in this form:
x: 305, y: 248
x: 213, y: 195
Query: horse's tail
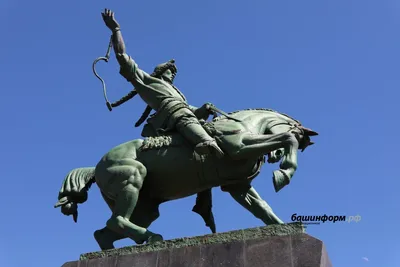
x: 74, y: 190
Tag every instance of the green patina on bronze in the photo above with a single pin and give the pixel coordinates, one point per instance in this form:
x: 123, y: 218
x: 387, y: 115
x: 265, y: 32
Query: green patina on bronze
x: 134, y: 182
x: 220, y: 238
x: 160, y: 94
x: 182, y: 154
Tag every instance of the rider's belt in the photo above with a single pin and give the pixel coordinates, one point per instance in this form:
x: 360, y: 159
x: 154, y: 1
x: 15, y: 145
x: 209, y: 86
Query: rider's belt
x: 167, y: 115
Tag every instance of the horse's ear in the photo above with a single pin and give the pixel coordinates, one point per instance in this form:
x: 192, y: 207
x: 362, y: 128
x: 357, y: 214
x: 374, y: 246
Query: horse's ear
x: 312, y: 133
x: 309, y: 132
x: 62, y: 201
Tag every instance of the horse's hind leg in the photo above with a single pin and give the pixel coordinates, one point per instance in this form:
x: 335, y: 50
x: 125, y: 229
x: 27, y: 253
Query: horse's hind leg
x: 106, y: 237
x: 131, y: 177
x: 145, y: 213
x: 248, y: 197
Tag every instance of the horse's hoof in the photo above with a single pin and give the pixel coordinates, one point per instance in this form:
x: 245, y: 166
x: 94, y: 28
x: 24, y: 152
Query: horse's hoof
x: 155, y: 238
x: 103, y: 243
x: 280, y: 180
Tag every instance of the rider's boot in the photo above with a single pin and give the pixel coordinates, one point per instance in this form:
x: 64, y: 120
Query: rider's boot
x: 195, y: 133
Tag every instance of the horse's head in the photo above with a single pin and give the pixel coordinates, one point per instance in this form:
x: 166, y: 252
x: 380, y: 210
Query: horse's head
x: 284, y: 123
x: 303, y: 135
x: 280, y: 123
x: 268, y: 121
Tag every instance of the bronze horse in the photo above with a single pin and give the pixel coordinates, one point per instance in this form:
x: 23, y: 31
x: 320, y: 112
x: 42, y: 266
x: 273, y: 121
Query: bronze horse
x: 137, y: 176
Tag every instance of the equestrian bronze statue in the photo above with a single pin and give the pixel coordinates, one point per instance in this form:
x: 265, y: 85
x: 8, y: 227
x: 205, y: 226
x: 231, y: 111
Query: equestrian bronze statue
x: 182, y: 154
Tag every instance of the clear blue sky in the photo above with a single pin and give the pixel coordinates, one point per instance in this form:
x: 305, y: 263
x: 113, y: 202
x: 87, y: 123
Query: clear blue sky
x: 334, y: 65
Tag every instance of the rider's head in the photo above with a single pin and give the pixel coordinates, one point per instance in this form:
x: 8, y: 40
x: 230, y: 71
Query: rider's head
x: 166, y: 71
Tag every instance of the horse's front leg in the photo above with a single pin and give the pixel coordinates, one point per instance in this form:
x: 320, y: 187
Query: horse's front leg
x: 248, y: 197
x: 288, y: 166
x: 276, y: 155
x: 254, y: 145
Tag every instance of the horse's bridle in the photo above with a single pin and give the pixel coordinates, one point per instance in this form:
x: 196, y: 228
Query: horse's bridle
x: 294, y: 126
x: 291, y: 128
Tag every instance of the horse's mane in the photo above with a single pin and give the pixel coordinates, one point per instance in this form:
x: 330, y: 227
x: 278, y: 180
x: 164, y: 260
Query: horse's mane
x: 256, y: 109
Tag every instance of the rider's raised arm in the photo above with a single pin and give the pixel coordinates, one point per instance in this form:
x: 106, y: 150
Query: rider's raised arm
x: 118, y: 42
x: 128, y: 67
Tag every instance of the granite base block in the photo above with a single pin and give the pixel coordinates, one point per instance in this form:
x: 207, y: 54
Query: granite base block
x: 276, y: 245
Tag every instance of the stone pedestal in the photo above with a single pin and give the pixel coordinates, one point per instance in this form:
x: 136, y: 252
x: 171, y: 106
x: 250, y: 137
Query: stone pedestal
x: 277, y: 245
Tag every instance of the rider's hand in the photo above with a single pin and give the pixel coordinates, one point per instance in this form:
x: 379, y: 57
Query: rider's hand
x: 208, y: 107
x: 109, y: 20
